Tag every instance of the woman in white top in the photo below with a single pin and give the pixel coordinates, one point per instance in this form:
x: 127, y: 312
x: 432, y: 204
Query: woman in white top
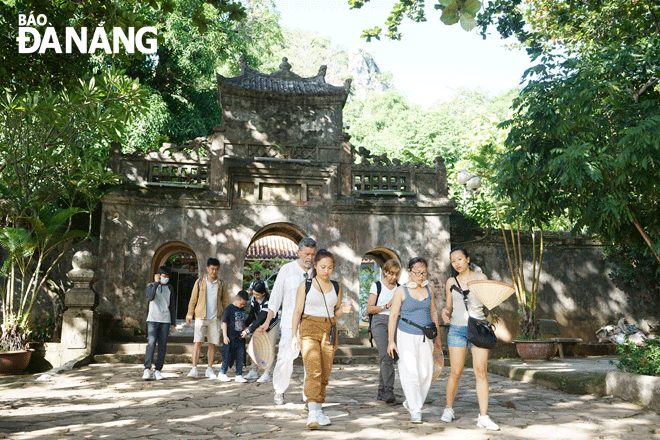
x: 317, y: 308
x: 456, y: 315
x: 378, y: 308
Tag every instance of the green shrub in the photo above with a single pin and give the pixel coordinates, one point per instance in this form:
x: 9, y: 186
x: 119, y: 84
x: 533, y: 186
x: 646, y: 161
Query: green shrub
x: 640, y: 359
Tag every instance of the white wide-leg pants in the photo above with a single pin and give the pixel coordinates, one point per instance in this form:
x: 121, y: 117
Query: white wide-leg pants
x: 415, y: 368
x: 284, y: 365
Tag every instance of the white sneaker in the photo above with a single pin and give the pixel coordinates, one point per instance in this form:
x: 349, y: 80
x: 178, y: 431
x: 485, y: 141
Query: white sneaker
x: 193, y: 373
x: 222, y: 377
x: 146, y: 375
x: 157, y: 375
x: 448, y: 415
x: 416, y: 417
x: 279, y: 398
x: 252, y: 375
x: 265, y: 378
x: 313, y: 420
x: 240, y: 379
x: 486, y: 422
x: 209, y: 373
x: 322, y: 418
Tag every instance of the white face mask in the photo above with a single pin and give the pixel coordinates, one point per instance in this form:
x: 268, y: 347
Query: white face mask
x: 413, y: 285
x: 164, y: 280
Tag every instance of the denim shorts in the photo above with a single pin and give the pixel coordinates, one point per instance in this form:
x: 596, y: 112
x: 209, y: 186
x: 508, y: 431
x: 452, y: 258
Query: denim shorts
x: 457, y: 337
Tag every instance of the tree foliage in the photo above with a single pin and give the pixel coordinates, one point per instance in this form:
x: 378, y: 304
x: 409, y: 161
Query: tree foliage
x: 462, y: 129
x: 53, y: 147
x: 196, y: 38
x: 585, y: 138
x: 452, y: 12
x: 59, y: 113
x: 182, y: 81
x: 58, y: 70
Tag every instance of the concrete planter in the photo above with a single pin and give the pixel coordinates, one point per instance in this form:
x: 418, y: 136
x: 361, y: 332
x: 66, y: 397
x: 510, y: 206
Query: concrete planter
x: 536, y: 350
x: 636, y: 388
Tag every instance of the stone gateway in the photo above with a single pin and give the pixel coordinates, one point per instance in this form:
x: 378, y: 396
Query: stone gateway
x: 279, y: 163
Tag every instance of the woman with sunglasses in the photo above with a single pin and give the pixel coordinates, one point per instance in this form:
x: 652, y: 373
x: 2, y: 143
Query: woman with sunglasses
x: 416, y: 303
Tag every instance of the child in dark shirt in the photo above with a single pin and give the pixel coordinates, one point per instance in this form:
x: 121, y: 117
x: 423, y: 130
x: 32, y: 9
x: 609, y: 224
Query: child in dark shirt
x: 233, y: 349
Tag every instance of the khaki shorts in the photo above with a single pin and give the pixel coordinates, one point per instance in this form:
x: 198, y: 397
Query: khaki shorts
x: 209, y: 328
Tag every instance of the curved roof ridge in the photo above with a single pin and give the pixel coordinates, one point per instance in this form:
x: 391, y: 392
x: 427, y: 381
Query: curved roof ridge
x: 283, y: 81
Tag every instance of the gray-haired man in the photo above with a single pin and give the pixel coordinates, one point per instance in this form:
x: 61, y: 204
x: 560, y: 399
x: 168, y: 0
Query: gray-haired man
x: 289, y: 278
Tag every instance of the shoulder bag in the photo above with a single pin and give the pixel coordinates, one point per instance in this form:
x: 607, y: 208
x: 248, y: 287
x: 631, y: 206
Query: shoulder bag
x: 480, y: 333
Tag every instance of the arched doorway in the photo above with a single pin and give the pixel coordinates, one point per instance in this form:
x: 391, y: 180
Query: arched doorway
x: 272, y: 246
x: 370, y: 272
x: 183, y: 263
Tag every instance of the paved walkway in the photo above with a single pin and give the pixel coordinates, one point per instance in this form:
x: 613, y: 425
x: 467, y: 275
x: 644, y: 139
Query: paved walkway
x: 110, y: 401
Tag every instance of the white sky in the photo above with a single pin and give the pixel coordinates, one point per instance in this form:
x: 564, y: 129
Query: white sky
x: 429, y: 62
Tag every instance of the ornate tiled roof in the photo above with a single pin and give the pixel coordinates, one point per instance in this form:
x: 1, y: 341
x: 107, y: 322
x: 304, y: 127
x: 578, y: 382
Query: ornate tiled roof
x: 284, y: 81
x: 272, y: 246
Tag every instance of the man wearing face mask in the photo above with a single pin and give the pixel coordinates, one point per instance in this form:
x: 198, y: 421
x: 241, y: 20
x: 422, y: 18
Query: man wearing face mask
x: 161, y: 320
x: 289, y: 278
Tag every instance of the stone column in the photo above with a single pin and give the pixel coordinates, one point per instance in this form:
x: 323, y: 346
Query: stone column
x: 80, y: 320
x: 441, y: 176
x: 345, y: 166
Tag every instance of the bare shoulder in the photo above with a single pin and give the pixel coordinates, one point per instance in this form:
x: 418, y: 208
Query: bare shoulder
x: 482, y: 276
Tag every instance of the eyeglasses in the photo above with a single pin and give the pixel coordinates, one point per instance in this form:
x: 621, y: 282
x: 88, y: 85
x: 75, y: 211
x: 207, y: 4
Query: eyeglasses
x: 419, y: 274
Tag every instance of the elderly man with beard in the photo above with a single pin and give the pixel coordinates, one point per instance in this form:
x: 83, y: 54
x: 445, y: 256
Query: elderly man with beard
x: 288, y: 280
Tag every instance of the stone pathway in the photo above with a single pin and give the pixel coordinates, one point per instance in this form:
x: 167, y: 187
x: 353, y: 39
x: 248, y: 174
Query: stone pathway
x: 110, y: 401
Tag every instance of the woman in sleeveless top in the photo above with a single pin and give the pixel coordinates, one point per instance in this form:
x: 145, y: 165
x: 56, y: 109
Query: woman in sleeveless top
x: 318, y: 305
x: 456, y: 315
x: 416, y: 303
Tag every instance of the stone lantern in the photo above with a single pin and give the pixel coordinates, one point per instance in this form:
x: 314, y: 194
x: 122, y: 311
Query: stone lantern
x: 80, y: 321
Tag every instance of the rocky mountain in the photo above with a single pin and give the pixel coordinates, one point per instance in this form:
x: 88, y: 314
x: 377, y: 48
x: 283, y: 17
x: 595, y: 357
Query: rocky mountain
x: 306, y: 51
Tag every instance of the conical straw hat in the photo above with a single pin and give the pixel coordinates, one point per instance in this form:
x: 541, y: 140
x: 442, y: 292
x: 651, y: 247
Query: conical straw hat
x: 260, y: 349
x: 491, y: 293
x: 438, y: 362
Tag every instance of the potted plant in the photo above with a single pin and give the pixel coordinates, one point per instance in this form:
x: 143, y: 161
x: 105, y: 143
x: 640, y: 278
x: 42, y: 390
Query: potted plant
x: 55, y: 146
x: 529, y: 344
x: 25, y: 270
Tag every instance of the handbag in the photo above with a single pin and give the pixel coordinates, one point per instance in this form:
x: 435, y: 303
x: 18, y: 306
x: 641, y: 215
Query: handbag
x: 479, y: 332
x: 430, y: 330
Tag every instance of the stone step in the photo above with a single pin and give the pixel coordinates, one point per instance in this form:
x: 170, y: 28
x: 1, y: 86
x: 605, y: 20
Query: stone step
x: 133, y: 352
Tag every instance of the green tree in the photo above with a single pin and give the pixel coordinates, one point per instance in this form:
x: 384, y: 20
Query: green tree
x: 53, y: 147
x: 585, y: 138
x: 196, y: 38
x: 58, y: 70
x: 462, y: 129
x: 182, y: 83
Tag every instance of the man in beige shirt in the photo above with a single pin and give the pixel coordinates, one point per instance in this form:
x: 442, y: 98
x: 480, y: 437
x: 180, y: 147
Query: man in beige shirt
x: 207, y: 302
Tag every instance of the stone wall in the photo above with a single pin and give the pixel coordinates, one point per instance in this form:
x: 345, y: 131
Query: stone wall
x: 136, y: 224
